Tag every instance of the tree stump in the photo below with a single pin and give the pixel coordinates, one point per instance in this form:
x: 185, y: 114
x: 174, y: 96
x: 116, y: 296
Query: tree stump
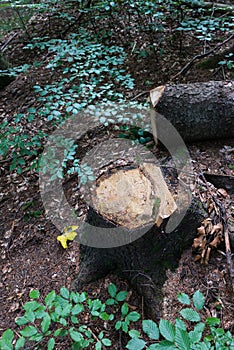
x: 137, y: 201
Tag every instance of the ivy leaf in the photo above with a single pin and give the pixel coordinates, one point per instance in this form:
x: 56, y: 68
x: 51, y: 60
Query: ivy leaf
x: 124, y: 309
x: 49, y: 299
x: 167, y: 330
x: 151, y: 329
x: 34, y: 294
x: 51, y: 344
x: 6, y: 340
x: 190, y: 315
x: 106, y: 342
x: 133, y: 316
x: 28, y: 331
x: 112, y: 290
x: 133, y: 333
x: 198, y: 300
x: 20, y: 343
x: 136, y: 344
x: 182, y: 339
x: 76, y: 336
x: 183, y: 298
x: 45, y: 324
x: 64, y: 292
x: 121, y: 296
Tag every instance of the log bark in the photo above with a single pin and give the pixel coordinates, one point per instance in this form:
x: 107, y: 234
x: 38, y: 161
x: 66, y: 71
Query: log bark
x: 199, y: 111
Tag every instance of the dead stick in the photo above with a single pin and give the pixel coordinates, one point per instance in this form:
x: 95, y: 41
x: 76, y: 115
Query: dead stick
x: 229, y: 254
x: 8, y: 42
x: 197, y: 57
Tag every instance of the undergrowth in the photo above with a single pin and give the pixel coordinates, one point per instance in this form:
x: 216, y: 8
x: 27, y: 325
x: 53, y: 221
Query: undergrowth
x: 91, y: 66
x: 72, y: 315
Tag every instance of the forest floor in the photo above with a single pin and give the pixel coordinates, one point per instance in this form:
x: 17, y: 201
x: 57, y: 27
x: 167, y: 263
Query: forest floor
x: 32, y: 258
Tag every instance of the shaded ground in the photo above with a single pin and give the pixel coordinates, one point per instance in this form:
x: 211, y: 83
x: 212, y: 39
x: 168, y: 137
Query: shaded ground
x: 32, y: 258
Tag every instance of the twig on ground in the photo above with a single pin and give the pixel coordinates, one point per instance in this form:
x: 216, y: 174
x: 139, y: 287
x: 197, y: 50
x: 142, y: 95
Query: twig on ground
x: 229, y: 253
x: 4, y: 46
x: 197, y: 57
x: 140, y: 94
x: 95, y: 337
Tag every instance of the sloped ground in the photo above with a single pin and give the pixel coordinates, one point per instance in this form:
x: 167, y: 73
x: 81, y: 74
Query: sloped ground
x: 31, y: 257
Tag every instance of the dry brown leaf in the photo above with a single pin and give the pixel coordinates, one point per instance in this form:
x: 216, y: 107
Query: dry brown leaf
x: 207, y: 223
x: 217, y: 228
x: 201, y: 230
x: 197, y: 258
x: 207, y: 257
x: 222, y: 192
x: 156, y: 94
x: 199, y: 242
x: 216, y: 241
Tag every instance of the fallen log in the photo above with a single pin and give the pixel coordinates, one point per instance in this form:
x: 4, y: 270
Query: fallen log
x: 199, y: 111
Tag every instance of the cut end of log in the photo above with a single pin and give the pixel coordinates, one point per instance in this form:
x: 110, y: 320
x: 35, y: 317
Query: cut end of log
x: 134, y: 198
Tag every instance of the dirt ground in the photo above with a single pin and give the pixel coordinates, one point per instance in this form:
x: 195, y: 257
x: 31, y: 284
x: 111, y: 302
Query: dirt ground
x: 32, y: 258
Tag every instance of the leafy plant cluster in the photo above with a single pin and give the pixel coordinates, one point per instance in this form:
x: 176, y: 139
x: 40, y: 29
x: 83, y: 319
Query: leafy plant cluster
x: 91, y: 72
x: 62, y: 316
x: 92, y: 68
x: 228, y: 61
x: 158, y: 22
x: 204, y: 335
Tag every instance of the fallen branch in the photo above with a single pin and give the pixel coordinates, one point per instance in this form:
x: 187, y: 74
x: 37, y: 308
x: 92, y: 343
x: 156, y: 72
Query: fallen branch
x: 4, y: 46
x: 197, y: 57
x: 228, y: 252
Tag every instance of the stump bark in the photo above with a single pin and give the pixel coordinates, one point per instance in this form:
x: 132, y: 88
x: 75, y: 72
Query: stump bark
x: 144, y: 261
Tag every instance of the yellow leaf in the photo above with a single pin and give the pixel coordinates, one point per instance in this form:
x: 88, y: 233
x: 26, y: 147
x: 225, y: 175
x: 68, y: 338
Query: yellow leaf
x: 70, y: 229
x: 67, y: 236
x: 63, y: 240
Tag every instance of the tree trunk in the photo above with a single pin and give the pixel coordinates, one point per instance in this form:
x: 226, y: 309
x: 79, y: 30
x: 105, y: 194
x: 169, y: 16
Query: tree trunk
x: 199, y: 111
x: 144, y: 261
x: 5, y: 79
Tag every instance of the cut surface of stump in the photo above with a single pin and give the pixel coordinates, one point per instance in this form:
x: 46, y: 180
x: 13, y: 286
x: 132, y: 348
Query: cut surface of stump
x: 134, y: 197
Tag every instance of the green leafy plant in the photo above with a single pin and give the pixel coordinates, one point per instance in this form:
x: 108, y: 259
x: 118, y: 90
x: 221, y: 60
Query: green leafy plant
x: 204, y: 335
x: 62, y: 315
x: 228, y: 62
